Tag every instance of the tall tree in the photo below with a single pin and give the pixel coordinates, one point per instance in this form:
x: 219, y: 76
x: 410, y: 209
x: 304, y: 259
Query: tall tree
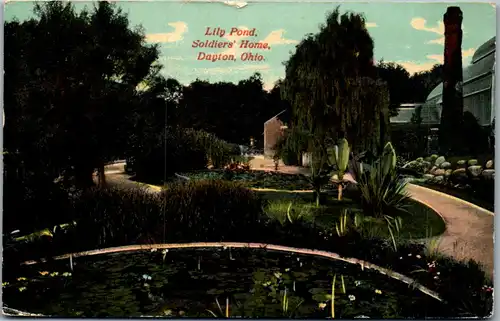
x: 398, y: 83
x: 332, y: 87
x: 71, y: 82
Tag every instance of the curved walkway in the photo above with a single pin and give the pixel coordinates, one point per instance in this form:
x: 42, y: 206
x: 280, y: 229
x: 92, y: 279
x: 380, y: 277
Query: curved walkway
x: 469, y: 228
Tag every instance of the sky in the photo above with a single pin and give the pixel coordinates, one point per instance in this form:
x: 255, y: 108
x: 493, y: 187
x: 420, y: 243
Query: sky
x: 411, y: 34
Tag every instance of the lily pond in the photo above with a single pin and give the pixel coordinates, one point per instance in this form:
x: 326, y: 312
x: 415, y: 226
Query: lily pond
x: 211, y: 283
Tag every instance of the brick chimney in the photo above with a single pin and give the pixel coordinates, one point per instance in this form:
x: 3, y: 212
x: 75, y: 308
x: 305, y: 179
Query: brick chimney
x: 451, y: 115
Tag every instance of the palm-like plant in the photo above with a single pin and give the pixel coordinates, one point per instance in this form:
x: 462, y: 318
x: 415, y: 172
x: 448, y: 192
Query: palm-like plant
x: 382, y: 189
x: 340, y: 158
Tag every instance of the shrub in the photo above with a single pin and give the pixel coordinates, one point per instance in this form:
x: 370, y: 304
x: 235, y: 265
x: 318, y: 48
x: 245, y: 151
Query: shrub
x: 112, y: 217
x: 211, y: 210
x: 180, y: 151
x: 208, y: 210
x: 33, y: 203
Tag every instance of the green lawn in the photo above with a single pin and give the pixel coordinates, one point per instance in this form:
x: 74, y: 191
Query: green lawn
x: 418, y: 222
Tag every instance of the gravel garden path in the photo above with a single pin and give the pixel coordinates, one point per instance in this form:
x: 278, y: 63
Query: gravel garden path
x: 469, y: 228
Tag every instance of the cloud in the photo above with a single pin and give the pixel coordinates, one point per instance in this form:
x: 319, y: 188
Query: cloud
x: 230, y: 70
x: 420, y: 24
x: 180, y: 28
x: 275, y: 37
x: 371, y: 25
x: 236, y: 4
x: 414, y: 67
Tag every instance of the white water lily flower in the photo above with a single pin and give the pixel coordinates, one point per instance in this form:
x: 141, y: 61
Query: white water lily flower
x: 409, y: 254
x: 146, y: 277
x: 438, y: 273
x: 164, y: 251
x: 357, y: 283
x: 418, y: 256
x: 351, y: 297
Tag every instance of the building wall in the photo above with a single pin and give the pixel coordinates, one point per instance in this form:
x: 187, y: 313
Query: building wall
x: 272, y: 132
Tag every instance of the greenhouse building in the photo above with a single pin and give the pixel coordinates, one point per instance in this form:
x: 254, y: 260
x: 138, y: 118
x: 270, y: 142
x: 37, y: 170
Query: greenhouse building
x: 478, y: 89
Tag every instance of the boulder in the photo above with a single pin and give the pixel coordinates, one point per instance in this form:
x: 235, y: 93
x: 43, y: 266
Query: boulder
x: 439, y: 172
x: 439, y: 179
x: 426, y: 164
x: 459, y: 171
x: 428, y: 176
x: 472, y: 162
x: 489, y: 164
x: 420, y: 159
x: 461, y: 163
x: 440, y: 160
x: 448, y: 172
x: 475, y: 170
x: 445, y: 165
x: 433, y: 169
x: 433, y: 157
x: 488, y: 174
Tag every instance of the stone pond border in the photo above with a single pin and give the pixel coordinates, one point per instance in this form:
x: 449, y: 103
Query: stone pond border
x: 279, y: 248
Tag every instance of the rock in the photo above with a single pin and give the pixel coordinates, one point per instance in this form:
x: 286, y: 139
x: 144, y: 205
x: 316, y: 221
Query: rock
x: 445, y: 165
x: 475, y: 170
x: 426, y: 164
x: 448, y: 172
x: 440, y: 160
x: 410, y: 164
x: 461, y: 162
x: 427, y: 159
x: 489, y: 164
x: 433, y: 169
x: 459, y: 171
x: 420, y: 159
x: 439, y: 172
x: 472, y: 162
x: 428, y: 176
x: 433, y: 158
x: 439, y: 178
x: 488, y: 174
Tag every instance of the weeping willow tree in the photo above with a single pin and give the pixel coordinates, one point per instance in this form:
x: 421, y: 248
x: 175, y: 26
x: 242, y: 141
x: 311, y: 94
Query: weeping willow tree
x: 332, y: 87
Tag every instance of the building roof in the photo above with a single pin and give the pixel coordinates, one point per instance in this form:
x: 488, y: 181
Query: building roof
x: 474, y: 80
x: 483, y: 62
x: 283, y: 115
x: 404, y: 115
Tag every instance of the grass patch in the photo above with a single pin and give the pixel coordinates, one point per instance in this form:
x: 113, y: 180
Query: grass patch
x: 418, y: 222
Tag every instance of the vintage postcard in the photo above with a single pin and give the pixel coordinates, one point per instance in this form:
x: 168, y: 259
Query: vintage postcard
x: 231, y: 159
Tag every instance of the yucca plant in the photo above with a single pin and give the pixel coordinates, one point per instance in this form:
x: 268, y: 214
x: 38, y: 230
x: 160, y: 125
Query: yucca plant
x: 382, y: 190
x: 340, y: 158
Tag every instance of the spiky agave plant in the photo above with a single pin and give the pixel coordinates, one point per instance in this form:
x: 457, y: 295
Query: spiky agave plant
x: 381, y: 188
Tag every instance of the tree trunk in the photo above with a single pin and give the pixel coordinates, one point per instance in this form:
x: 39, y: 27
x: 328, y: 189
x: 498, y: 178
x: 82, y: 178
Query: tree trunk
x: 101, y: 175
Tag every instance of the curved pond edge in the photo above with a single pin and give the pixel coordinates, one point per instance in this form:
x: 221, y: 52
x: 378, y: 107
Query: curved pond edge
x: 279, y: 248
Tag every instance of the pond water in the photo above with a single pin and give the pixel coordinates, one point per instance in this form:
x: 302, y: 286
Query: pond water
x: 200, y: 283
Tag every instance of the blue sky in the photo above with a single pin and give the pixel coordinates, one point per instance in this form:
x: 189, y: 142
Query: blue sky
x: 407, y: 33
